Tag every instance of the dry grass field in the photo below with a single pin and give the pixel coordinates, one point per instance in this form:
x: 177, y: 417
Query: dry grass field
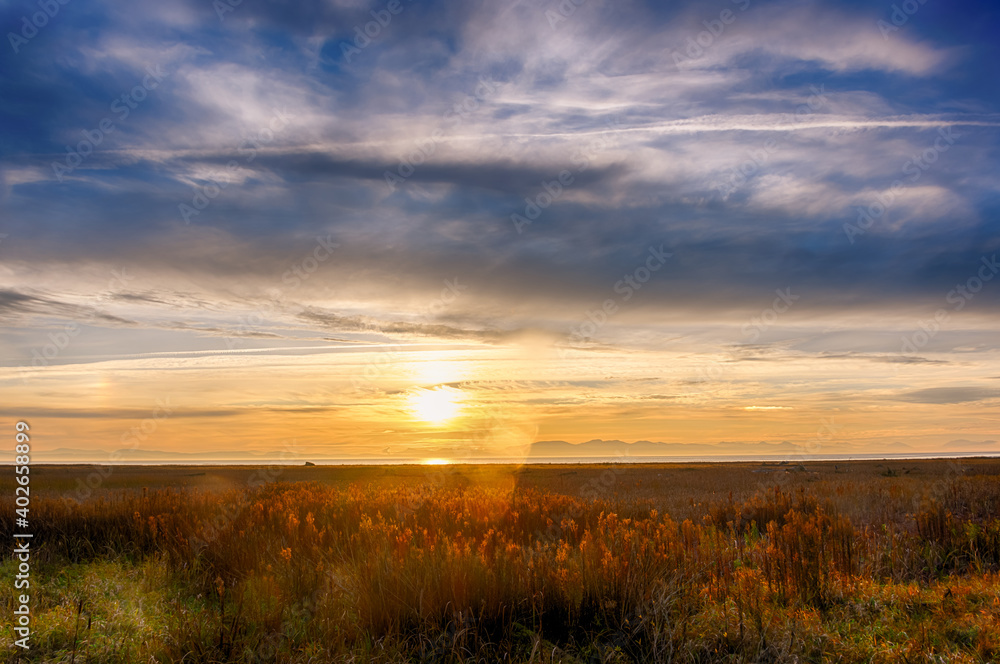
x: 891, y: 561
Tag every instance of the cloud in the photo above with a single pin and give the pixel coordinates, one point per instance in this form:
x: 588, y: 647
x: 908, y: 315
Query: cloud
x: 950, y: 395
x: 133, y: 415
x: 647, y: 143
x: 840, y: 41
x: 338, y: 323
x: 16, y: 305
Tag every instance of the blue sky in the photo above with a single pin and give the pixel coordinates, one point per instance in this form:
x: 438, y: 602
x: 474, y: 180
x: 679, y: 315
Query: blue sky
x: 482, y: 178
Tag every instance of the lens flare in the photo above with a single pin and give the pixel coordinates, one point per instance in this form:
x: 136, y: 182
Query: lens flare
x: 436, y: 406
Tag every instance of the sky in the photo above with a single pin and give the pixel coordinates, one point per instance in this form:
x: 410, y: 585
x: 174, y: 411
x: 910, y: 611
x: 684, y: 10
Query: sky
x: 441, y: 230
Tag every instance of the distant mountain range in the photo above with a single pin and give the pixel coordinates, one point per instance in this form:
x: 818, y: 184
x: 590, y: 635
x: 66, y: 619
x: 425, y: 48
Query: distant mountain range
x: 982, y: 445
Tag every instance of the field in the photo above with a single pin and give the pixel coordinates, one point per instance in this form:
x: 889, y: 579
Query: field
x: 893, y: 561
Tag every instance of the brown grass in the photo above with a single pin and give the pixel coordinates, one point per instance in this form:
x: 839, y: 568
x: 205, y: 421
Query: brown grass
x: 598, y: 566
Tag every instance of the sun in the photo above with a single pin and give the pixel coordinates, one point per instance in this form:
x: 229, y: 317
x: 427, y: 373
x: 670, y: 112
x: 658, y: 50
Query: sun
x: 435, y: 406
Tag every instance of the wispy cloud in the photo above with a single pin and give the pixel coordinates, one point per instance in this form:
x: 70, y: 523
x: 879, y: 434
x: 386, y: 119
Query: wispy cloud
x: 808, y: 107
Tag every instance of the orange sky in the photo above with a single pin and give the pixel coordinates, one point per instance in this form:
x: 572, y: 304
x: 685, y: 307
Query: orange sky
x: 388, y: 402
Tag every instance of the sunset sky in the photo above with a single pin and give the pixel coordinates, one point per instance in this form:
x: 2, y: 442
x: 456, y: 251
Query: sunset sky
x: 419, y: 229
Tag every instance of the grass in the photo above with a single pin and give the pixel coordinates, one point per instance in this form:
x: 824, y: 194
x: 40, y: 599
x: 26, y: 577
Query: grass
x: 663, y: 563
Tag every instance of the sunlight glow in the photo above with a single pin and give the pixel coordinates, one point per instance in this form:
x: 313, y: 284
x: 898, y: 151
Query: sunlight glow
x: 437, y: 371
x: 437, y: 462
x: 436, y: 406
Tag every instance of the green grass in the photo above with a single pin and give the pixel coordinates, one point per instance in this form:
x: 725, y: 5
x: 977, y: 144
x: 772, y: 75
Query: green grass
x: 115, y: 611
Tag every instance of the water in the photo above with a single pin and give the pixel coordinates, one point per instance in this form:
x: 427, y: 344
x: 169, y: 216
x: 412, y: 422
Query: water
x: 383, y: 461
